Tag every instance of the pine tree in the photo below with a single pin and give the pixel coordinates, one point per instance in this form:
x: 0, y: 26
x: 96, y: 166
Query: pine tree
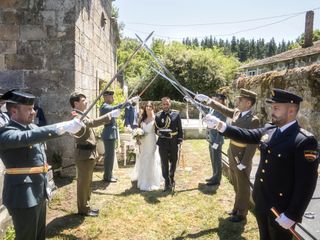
x: 243, y: 50
x: 234, y: 46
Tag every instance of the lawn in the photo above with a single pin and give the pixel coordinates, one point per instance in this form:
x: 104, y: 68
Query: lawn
x: 195, y: 211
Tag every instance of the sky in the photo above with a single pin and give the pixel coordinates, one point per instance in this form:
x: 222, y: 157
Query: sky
x: 173, y: 20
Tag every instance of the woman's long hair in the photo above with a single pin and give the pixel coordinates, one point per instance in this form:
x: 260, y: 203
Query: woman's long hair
x: 144, y: 112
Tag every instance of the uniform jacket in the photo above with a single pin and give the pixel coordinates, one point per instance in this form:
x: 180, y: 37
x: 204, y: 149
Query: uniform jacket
x: 287, y: 172
x: 20, y: 148
x: 85, y: 138
x: 213, y: 135
x: 4, y: 119
x: 169, y: 120
x: 130, y: 116
x: 110, y: 129
x: 248, y: 121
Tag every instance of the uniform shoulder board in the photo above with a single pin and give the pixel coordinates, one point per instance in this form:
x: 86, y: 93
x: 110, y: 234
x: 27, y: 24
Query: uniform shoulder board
x: 174, y: 110
x: 6, y: 128
x: 306, y: 133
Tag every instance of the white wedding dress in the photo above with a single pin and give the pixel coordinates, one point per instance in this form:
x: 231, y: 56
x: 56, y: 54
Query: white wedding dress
x: 147, y: 170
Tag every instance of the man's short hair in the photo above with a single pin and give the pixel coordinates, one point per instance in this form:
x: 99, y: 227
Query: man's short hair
x: 166, y: 98
x: 75, y: 97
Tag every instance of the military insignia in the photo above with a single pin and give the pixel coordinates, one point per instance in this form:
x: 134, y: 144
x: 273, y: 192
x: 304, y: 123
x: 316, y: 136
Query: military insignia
x: 162, y: 120
x: 265, y: 138
x: 310, y: 155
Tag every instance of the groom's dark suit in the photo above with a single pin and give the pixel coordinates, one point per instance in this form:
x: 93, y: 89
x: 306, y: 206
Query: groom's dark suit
x: 169, y: 129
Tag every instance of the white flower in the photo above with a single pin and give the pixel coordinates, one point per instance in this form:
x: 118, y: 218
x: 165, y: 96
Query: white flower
x: 137, y: 133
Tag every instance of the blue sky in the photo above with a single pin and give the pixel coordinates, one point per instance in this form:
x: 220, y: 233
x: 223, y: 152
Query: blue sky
x: 209, y: 14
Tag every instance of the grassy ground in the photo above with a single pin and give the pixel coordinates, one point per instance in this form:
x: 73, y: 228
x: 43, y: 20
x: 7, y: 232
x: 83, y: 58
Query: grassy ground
x: 195, y: 211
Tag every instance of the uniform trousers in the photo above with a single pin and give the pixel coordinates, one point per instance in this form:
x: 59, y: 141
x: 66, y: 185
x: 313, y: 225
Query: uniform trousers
x: 84, y: 180
x: 215, y: 157
x: 168, y: 150
x: 269, y: 229
x: 109, y: 146
x: 240, y: 181
x: 30, y: 223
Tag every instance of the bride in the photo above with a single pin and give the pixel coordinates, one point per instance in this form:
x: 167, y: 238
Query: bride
x: 147, y: 170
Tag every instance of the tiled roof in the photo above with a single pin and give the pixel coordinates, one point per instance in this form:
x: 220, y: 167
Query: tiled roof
x: 288, y: 55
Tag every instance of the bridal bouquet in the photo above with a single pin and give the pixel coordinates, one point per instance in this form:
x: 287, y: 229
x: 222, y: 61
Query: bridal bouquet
x: 137, y: 133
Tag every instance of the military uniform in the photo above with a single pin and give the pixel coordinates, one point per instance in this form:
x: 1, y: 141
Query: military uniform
x: 239, y: 153
x: 215, y: 140
x: 25, y: 180
x: 4, y: 119
x: 287, y: 173
x: 169, y: 129
x: 109, y: 136
x: 85, y: 158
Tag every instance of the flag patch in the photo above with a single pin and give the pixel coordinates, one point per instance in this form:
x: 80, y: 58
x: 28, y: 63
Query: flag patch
x: 310, y: 155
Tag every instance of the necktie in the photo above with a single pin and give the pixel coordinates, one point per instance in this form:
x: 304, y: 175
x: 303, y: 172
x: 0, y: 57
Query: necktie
x: 276, y: 134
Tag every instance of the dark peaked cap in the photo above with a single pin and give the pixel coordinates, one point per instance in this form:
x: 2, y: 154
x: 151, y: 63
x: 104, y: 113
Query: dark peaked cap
x: 18, y: 97
x: 283, y: 96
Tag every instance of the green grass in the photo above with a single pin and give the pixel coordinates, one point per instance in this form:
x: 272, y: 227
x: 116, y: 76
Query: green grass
x: 196, y: 211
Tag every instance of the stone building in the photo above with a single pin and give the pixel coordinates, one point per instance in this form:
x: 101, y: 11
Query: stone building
x: 299, y: 57
x: 54, y: 47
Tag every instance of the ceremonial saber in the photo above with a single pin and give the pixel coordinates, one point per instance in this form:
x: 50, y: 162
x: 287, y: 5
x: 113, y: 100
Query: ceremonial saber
x: 291, y: 229
x: 168, y: 79
x: 175, y: 85
x: 116, y: 75
x: 142, y: 92
x: 168, y: 72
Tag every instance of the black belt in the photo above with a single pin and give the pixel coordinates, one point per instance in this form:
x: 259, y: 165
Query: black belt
x: 86, y: 146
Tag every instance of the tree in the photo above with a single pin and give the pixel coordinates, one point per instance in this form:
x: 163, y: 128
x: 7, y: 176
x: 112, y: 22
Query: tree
x: 271, y: 48
x: 197, y: 68
x: 234, y: 45
x: 243, y: 50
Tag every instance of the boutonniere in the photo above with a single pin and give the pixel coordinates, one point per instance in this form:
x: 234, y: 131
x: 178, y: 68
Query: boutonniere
x: 265, y: 138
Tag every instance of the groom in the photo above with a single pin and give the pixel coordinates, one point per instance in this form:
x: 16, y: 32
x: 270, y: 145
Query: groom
x: 168, y: 128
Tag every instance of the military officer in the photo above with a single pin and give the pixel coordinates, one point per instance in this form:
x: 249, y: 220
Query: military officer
x: 22, y: 152
x: 169, y: 129
x: 86, y: 153
x: 240, y: 155
x: 4, y: 118
x: 216, y: 140
x: 110, y: 134
x: 287, y: 173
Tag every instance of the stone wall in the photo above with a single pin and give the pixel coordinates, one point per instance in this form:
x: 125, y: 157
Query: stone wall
x: 52, y: 48
x: 304, y: 81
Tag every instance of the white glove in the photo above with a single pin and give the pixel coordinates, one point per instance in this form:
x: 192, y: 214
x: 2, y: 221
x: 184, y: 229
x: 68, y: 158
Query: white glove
x: 240, y: 166
x: 284, y: 221
x: 215, y: 146
x: 187, y: 99
x: 211, y: 121
x: 134, y: 99
x: 115, y: 113
x: 202, y: 98
x: 73, y: 126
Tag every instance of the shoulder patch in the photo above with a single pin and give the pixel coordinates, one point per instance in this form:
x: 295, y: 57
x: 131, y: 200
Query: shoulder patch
x: 74, y: 113
x: 311, y: 155
x: 306, y: 133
